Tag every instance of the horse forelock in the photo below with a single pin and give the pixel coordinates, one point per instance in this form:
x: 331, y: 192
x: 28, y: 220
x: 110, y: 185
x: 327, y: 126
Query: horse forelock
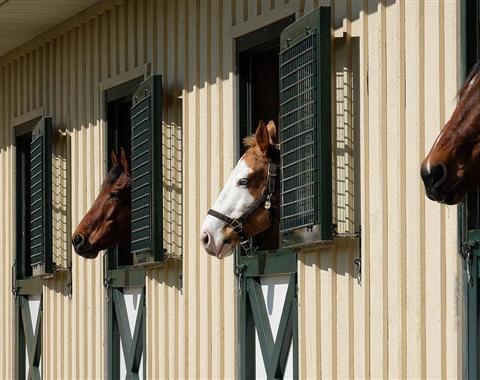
x: 250, y: 141
x: 471, y: 79
x: 113, y: 175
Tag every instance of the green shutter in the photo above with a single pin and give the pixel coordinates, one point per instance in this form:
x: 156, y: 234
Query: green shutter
x: 41, y: 198
x: 305, y: 130
x: 146, y: 170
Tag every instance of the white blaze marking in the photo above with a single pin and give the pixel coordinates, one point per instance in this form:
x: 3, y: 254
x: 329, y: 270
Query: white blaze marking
x: 233, y: 201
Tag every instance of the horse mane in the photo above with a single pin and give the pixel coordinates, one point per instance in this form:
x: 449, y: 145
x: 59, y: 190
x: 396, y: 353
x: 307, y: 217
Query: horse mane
x: 473, y: 73
x: 250, y: 141
x: 273, y: 153
x: 112, y: 176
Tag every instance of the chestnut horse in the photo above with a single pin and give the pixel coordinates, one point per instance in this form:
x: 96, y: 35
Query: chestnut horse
x: 451, y: 168
x: 107, y: 223
x: 248, y: 203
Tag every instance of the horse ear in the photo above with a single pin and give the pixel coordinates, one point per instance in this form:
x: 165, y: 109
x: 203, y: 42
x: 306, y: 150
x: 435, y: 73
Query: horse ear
x: 272, y: 133
x: 114, y: 158
x: 123, y: 159
x: 261, y: 136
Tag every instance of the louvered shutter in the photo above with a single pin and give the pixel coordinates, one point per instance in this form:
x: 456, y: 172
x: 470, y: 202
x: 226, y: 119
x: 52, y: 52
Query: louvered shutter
x: 146, y: 171
x: 305, y: 130
x: 41, y: 198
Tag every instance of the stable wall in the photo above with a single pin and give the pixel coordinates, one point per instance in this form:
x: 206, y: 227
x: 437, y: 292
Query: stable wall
x: 397, y: 72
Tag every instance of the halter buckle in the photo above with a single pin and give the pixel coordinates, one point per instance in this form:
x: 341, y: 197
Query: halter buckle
x: 237, y: 226
x: 268, y: 203
x: 272, y: 169
x: 248, y: 247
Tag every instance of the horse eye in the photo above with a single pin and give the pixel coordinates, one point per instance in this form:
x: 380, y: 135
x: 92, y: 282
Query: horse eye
x: 115, y: 195
x: 243, y: 182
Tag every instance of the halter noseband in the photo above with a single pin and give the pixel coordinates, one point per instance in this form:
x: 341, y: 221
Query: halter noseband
x: 237, y: 223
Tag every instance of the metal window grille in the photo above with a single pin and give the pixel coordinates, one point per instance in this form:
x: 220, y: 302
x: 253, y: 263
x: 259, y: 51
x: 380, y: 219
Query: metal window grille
x: 298, y: 104
x: 305, y: 131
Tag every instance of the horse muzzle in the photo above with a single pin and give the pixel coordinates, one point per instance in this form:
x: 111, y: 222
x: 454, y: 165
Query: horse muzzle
x: 83, y: 248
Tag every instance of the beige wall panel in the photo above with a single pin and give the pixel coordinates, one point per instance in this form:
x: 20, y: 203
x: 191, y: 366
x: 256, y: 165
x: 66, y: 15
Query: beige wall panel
x: 453, y: 265
x: 395, y: 137
x: 434, y: 217
x: 402, y: 320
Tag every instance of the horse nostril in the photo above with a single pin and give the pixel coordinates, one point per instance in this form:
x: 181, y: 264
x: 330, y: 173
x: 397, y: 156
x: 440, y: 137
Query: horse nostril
x: 437, y: 174
x: 78, y: 240
x: 205, y: 239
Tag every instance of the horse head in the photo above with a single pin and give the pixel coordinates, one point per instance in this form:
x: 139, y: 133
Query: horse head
x: 107, y: 223
x: 246, y: 204
x: 451, y: 168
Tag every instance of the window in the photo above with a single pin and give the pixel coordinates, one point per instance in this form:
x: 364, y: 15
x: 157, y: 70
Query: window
x: 267, y: 302
x: 134, y: 118
x: 118, y: 106
x: 23, y: 267
x: 294, y: 70
x: 34, y: 199
x: 258, y: 70
x: 34, y: 240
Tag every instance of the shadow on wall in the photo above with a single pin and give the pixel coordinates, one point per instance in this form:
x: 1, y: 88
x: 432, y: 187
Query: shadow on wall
x: 60, y: 283
x: 346, y: 164
x: 170, y: 274
x: 346, y: 135
x: 61, y: 204
x: 357, y: 7
x: 338, y: 259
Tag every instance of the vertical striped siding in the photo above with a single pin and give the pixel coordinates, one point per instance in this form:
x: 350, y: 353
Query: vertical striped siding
x: 402, y: 321
x: 405, y: 306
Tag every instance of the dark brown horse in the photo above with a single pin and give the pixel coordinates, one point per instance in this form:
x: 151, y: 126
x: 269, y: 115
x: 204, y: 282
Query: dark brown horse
x: 452, y: 167
x: 107, y: 223
x: 248, y: 202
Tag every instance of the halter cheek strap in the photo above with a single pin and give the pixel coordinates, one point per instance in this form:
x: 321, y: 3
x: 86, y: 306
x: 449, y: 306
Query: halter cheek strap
x: 237, y: 223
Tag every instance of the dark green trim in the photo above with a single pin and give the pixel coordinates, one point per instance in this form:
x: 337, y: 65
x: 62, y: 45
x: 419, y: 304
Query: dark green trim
x: 254, y: 317
x: 28, y: 340
x: 258, y: 39
x: 281, y: 348
x: 30, y: 286
x: 122, y: 90
x: 113, y: 339
x: 260, y: 317
x: 295, y: 328
x: 473, y: 291
x: 269, y: 263
x: 26, y: 128
x: 324, y: 130
x: 20, y: 346
x: 127, y: 277
x: 246, y: 332
x: 119, y: 333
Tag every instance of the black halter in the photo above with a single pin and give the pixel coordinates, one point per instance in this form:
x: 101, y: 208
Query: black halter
x: 237, y: 223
